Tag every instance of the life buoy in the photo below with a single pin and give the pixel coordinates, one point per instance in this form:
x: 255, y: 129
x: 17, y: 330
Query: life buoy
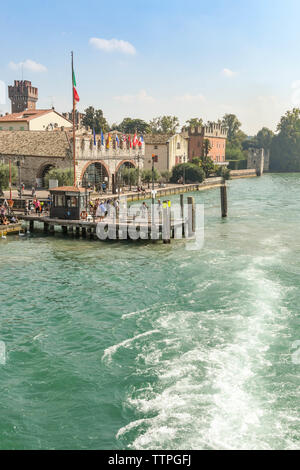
x: 83, y: 215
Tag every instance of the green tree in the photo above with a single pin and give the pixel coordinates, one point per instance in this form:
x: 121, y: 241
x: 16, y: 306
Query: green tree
x: 264, y: 138
x: 147, y: 176
x: 165, y: 176
x: 164, y: 125
x: 285, y: 146
x: 130, y: 126
x: 193, y: 122
x: 4, y: 176
x: 192, y: 173
x: 235, y: 137
x: 94, y: 118
x: 64, y: 177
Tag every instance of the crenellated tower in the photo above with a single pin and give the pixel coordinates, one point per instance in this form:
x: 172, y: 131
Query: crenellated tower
x: 22, y: 95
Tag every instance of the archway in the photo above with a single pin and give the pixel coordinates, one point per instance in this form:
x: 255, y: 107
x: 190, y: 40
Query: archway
x: 122, y: 165
x: 94, y: 174
x: 41, y: 174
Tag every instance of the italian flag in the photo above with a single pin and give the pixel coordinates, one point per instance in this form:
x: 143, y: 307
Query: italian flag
x: 75, y: 94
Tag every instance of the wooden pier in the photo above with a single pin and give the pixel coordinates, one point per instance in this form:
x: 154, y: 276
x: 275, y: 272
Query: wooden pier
x: 116, y: 229
x: 10, y: 229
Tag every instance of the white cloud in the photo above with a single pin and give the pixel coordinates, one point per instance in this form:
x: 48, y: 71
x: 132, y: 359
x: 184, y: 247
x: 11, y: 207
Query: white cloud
x: 28, y: 64
x: 112, y: 45
x: 228, y: 73
x: 2, y: 92
x: 188, y: 98
x: 140, y: 97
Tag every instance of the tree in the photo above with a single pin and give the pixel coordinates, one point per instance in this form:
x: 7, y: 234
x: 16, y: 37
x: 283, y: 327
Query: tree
x: 235, y: 137
x: 130, y: 126
x: 164, y: 125
x: 4, y: 176
x: 147, y: 176
x: 94, y: 118
x: 191, y: 172
x: 165, y: 176
x: 285, y: 146
x: 64, y: 177
x: 193, y: 122
x: 264, y: 138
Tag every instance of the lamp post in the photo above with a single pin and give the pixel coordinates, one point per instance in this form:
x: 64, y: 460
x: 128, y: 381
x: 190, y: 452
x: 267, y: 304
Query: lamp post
x: 184, y: 169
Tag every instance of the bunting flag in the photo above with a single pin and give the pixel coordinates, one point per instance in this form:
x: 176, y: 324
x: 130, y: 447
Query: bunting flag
x: 102, y: 138
x: 135, y: 140
x: 108, y: 141
x: 124, y: 138
x: 94, y: 133
x: 117, y: 140
x: 75, y: 94
x: 141, y: 141
x: 129, y: 140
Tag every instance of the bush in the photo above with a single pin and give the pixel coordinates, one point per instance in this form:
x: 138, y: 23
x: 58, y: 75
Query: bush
x: 4, y: 176
x: 237, y: 164
x: 193, y: 173
x: 223, y: 171
x: 64, y: 177
x: 165, y: 176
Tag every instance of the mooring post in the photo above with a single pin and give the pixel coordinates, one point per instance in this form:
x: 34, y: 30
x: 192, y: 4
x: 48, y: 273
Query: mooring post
x: 51, y: 229
x: 166, y: 225
x: 64, y: 229
x: 223, y: 193
x: 191, y: 216
x: 182, y: 212
x: 83, y: 232
x: 31, y: 225
x: 46, y: 227
x: 77, y: 231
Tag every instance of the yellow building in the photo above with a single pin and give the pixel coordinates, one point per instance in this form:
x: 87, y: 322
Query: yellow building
x: 34, y: 120
x: 171, y: 149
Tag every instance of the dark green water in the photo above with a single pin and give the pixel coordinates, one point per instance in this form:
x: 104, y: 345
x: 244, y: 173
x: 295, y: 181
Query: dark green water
x: 114, y: 346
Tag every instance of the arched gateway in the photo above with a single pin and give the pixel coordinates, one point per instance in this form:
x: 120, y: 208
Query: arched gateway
x: 94, y: 174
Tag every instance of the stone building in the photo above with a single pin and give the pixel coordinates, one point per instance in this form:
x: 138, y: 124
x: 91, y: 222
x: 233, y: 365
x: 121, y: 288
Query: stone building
x: 215, y: 133
x: 170, y: 149
x: 40, y: 151
x: 34, y: 120
x: 22, y: 95
x: 258, y: 159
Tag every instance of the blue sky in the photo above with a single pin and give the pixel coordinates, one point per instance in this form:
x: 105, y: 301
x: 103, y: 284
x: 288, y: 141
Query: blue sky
x: 189, y: 58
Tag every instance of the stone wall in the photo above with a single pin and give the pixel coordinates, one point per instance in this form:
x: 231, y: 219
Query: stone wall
x: 259, y: 159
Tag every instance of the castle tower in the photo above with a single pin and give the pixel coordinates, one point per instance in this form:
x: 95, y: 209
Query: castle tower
x: 22, y: 95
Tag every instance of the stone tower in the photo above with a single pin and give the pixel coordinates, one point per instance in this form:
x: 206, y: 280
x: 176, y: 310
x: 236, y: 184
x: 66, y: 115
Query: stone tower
x: 22, y: 95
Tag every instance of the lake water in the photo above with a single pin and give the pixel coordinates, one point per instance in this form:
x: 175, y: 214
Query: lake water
x: 143, y: 346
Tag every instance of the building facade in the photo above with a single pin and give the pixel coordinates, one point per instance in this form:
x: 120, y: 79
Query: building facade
x: 171, y: 149
x: 40, y: 151
x: 22, y: 95
x: 34, y: 120
x: 216, y: 134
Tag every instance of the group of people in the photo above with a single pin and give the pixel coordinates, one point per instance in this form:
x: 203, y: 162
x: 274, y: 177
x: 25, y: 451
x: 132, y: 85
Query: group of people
x: 6, y: 217
x: 36, y: 205
x: 100, y: 209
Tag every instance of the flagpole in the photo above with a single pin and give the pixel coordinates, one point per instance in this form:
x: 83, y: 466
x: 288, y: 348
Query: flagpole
x: 74, y: 146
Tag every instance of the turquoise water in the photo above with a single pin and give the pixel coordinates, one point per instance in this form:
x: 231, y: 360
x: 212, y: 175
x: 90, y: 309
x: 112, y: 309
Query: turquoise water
x: 115, y: 345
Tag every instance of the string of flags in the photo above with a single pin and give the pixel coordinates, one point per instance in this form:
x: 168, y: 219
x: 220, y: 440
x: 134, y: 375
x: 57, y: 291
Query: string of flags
x: 132, y: 142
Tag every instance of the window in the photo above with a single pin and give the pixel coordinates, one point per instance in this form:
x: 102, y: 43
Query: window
x: 155, y: 147
x: 178, y: 145
x: 11, y: 128
x: 22, y: 128
x: 0, y: 128
x: 59, y: 201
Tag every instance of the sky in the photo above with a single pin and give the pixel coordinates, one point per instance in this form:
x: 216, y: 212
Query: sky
x: 143, y: 59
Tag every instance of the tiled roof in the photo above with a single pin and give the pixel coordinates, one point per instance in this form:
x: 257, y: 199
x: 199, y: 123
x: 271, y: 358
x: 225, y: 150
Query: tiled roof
x: 34, y: 143
x: 157, y: 138
x: 28, y: 115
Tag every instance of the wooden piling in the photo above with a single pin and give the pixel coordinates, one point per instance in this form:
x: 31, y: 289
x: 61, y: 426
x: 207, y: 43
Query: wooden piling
x: 83, y: 232
x: 46, y: 227
x: 64, y: 229
x: 77, y: 229
x: 31, y: 225
x: 223, y: 193
x: 166, y: 226
x: 191, y: 216
x: 182, y: 212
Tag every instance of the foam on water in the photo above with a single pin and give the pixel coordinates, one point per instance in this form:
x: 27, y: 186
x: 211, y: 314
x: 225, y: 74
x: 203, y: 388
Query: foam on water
x: 213, y: 397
